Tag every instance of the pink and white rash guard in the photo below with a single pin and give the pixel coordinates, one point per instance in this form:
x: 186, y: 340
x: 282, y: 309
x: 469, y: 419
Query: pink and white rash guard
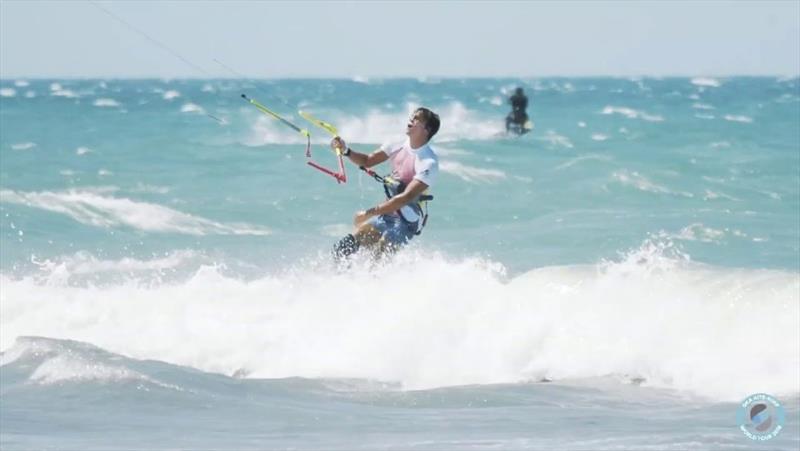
x: 408, y: 164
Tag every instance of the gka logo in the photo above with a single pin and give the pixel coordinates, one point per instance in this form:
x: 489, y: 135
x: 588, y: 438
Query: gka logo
x: 760, y: 417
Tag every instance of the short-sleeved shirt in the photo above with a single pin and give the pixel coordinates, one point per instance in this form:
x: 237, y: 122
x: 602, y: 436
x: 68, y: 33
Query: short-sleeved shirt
x: 409, y: 164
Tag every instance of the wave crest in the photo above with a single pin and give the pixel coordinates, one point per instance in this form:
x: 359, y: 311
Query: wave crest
x: 653, y: 315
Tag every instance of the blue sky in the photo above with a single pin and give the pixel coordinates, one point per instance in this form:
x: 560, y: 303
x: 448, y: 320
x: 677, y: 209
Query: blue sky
x: 398, y: 39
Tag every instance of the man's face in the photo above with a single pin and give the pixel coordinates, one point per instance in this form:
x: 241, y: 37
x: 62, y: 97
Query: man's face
x: 416, y: 127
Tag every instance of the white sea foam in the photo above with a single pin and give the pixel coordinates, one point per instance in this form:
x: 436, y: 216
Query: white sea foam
x: 695, y: 232
x: 83, y: 263
x: 68, y: 368
x: 104, y: 172
x: 702, y: 106
x: 60, y: 361
x: 375, y: 127
x: 21, y: 83
x: 8, y: 92
x: 687, y: 326
x: 23, y: 146
x: 95, y: 209
x: 720, y: 144
x: 192, y: 108
x: 58, y: 91
x: 642, y: 183
x: 65, y: 93
x: 581, y: 159
x: 82, y: 150
x: 706, y: 82
x: 738, y: 118
x: 169, y: 95
x: 107, y: 103
x: 556, y: 140
x: 30, y: 94
x: 451, y: 151
x: 712, y: 195
x: 632, y: 114
x: 704, y: 116
x: 599, y: 137
x: 470, y: 173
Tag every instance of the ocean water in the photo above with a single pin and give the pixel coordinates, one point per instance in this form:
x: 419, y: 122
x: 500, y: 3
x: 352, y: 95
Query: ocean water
x: 620, y: 278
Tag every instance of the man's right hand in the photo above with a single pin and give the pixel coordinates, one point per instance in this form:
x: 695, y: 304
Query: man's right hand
x: 338, y: 143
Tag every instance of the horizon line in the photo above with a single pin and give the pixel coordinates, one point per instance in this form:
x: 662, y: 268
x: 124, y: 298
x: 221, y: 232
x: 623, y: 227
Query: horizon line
x: 392, y: 77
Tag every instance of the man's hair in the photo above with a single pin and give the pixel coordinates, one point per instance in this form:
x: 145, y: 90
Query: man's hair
x: 431, y: 120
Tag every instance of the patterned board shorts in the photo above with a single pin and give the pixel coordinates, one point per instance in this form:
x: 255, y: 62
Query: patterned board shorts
x: 393, y: 229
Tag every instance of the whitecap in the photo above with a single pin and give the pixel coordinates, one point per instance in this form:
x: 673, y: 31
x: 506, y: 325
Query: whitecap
x: 65, y: 93
x: 377, y: 126
x: 556, y: 140
x: 172, y: 94
x: 599, y: 137
x: 97, y: 210
x: 702, y: 106
x: 631, y: 113
x: 581, y: 159
x: 712, y: 195
x: 21, y: 83
x: 8, y: 92
x: 642, y: 183
x: 697, y: 232
x: 706, y: 82
x: 472, y: 309
x: 23, y: 146
x: 470, y: 173
x: 451, y: 151
x: 82, y: 150
x: 106, y: 103
x: 192, y: 108
x: 738, y: 118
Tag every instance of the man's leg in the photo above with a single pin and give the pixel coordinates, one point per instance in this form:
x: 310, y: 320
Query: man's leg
x: 366, y: 236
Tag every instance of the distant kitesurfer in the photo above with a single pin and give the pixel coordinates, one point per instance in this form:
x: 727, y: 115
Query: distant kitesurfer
x: 517, y: 120
x: 391, y: 224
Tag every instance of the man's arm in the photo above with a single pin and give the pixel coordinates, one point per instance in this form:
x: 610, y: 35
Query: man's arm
x: 360, y: 159
x: 414, y: 189
x: 368, y: 161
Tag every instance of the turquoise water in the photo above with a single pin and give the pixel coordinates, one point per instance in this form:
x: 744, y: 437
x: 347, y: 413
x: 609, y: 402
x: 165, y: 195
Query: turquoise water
x: 628, y: 249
